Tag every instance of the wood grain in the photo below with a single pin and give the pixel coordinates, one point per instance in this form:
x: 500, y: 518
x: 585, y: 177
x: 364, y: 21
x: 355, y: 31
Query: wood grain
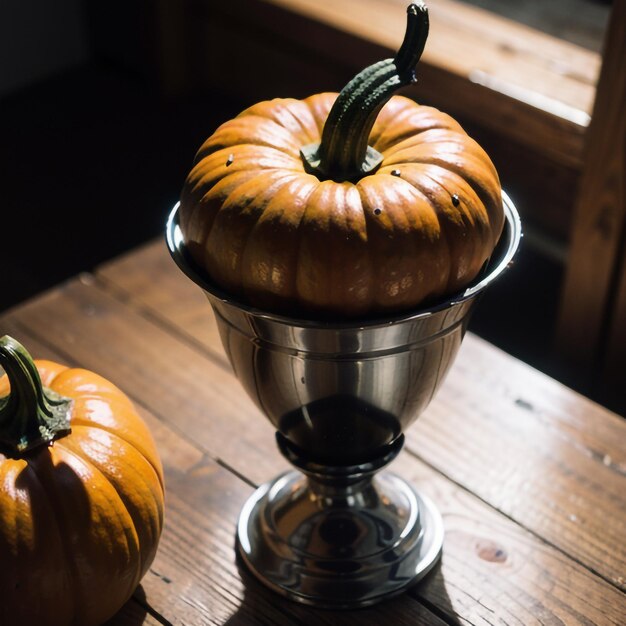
x: 507, y: 563
x: 599, y: 228
x: 127, y: 276
x: 510, y: 450
x: 463, y: 38
x: 555, y: 461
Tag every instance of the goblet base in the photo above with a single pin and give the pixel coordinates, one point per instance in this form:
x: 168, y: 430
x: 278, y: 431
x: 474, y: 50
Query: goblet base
x: 339, y: 547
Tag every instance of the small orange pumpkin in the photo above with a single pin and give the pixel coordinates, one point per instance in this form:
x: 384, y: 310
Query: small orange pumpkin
x: 81, y: 494
x: 288, y: 208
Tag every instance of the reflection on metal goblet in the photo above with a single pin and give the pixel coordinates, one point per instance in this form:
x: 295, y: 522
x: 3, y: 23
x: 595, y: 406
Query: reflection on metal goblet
x: 334, y: 533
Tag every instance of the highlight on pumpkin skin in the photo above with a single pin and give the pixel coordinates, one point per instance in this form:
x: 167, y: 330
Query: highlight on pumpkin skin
x: 276, y: 233
x: 87, y: 507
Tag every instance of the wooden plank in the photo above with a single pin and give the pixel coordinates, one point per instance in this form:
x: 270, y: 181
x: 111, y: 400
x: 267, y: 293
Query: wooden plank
x: 127, y: 274
x: 526, y: 421
x: 611, y: 385
x: 492, y: 570
x: 465, y: 38
x: 614, y: 88
x: 488, y: 69
x: 526, y: 454
x: 599, y: 228
x: 195, y: 579
x: 514, y: 576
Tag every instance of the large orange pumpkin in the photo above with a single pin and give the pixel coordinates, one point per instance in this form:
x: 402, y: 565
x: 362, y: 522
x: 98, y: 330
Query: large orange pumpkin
x: 288, y: 208
x: 81, y: 494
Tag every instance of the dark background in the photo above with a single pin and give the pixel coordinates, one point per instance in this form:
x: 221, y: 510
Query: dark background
x: 93, y: 154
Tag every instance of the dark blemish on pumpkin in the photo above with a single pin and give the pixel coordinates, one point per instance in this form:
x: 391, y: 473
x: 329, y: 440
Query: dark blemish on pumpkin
x: 489, y: 551
x: 455, y: 200
x: 229, y: 160
x: 524, y: 404
x: 377, y: 211
x: 302, y: 380
x: 395, y: 172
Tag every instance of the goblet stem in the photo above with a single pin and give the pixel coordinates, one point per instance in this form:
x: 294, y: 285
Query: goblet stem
x: 339, y: 536
x: 333, y: 494
x: 340, y: 485
x: 325, y: 472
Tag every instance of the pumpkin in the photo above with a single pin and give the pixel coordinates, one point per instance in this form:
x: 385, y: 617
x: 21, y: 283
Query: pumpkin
x: 346, y: 205
x: 81, y: 494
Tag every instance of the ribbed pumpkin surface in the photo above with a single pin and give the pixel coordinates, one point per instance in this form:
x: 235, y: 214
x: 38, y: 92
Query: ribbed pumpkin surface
x: 271, y: 234
x: 80, y: 520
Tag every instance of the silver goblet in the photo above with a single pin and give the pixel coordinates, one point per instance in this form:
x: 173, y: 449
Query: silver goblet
x: 334, y: 533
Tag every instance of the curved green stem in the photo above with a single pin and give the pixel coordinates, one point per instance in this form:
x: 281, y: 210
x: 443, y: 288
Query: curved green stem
x: 31, y: 415
x: 343, y: 153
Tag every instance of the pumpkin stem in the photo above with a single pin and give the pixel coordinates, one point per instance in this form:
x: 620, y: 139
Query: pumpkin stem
x: 343, y: 153
x: 31, y: 415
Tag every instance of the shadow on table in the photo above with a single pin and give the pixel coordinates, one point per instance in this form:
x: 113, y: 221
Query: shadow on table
x: 133, y: 613
x: 432, y: 593
x: 410, y: 605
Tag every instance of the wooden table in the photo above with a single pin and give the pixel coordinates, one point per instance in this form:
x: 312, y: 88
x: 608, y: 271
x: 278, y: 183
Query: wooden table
x: 529, y: 476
